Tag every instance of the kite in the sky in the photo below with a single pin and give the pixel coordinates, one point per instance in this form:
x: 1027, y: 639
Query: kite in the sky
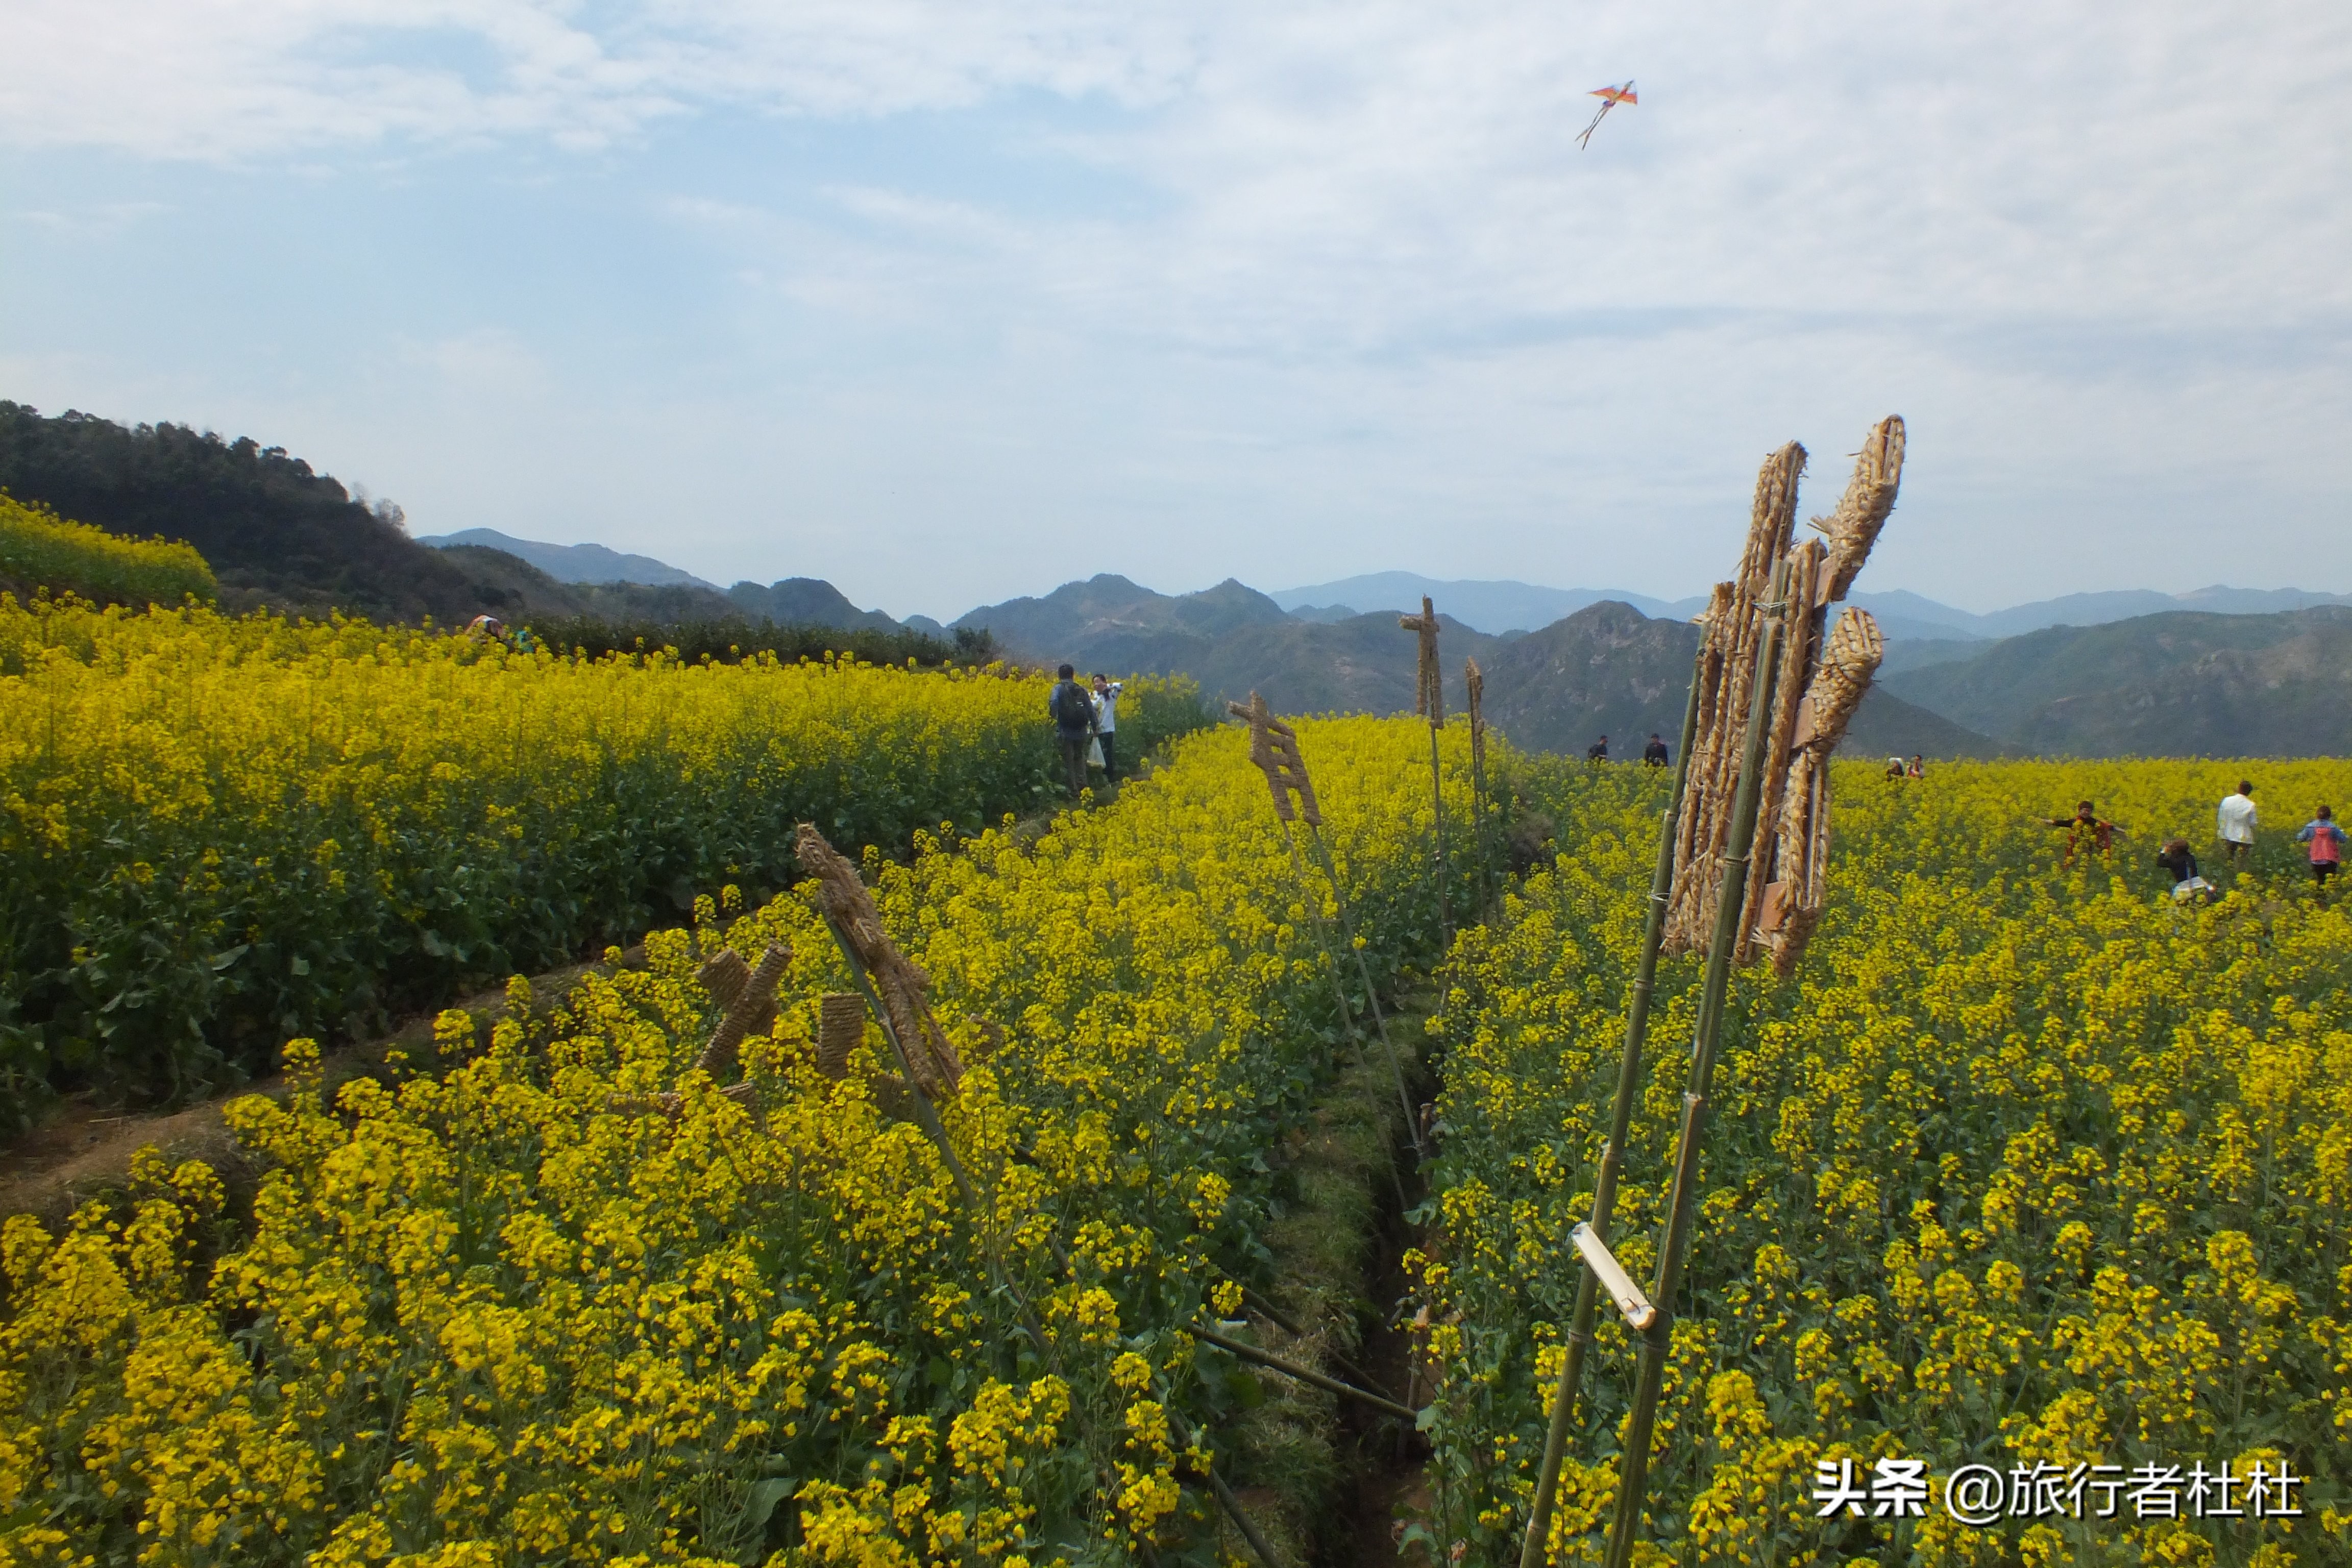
x: 1610, y: 96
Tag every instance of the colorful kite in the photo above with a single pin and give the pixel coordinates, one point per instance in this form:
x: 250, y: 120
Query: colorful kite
x: 1610, y: 96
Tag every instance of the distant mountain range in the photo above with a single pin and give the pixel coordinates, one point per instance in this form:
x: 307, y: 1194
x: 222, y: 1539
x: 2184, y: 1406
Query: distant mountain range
x: 573, y: 562
x: 2218, y: 671
x: 2222, y: 671
x: 1502, y: 606
x: 2177, y: 684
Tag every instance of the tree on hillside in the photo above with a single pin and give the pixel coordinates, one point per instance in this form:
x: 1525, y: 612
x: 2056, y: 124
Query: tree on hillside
x: 274, y: 530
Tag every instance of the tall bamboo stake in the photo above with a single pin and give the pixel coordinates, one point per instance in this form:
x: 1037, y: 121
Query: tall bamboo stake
x: 1474, y: 685
x: 1612, y: 1153
x: 1430, y: 703
x: 1657, y: 1340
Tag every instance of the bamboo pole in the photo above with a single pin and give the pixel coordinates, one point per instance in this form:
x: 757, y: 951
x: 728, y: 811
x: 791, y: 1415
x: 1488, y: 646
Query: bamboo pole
x: 1474, y: 684
x: 1612, y: 1153
x: 1305, y: 1375
x: 1657, y: 1342
x: 1258, y: 1545
x: 1428, y: 702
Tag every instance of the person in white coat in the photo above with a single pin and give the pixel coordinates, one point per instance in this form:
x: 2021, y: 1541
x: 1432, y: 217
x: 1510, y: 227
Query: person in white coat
x: 1106, y: 693
x: 2236, y: 817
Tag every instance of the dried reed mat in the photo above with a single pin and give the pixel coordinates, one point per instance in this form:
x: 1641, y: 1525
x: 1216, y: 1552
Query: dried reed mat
x: 1429, y: 689
x: 902, y: 984
x: 752, y: 1007
x: 1819, y: 681
x: 1862, y: 511
x: 1273, y: 748
x: 841, y: 1026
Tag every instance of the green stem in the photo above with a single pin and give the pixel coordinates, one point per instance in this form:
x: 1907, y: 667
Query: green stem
x: 1731, y: 902
x: 1621, y: 1120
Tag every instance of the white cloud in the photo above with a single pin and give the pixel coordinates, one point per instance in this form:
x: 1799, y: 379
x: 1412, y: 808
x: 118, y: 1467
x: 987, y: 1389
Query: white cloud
x: 1359, y: 283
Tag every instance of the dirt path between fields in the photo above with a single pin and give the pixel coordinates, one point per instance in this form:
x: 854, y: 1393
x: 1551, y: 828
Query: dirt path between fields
x: 84, y: 1148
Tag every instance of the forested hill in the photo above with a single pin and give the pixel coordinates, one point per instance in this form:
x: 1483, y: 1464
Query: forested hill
x: 2182, y: 684
x: 279, y: 534
x: 275, y: 531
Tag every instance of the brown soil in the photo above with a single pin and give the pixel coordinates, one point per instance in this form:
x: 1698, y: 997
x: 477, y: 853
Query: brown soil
x: 84, y: 1148
x: 1391, y: 1487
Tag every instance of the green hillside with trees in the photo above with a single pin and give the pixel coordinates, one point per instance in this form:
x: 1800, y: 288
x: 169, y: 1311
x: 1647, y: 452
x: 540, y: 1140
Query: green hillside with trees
x: 2182, y: 684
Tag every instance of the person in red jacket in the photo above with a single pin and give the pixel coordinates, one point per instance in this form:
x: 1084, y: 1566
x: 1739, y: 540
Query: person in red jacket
x: 2087, y: 829
x: 2326, y: 841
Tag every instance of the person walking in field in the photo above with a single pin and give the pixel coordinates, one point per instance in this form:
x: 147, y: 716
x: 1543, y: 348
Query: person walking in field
x: 2087, y: 829
x: 1655, y: 755
x: 1073, y: 707
x: 2177, y: 858
x: 1598, y: 752
x: 1895, y: 767
x: 1105, y: 696
x: 1918, y: 768
x: 2236, y: 820
x: 2326, y: 841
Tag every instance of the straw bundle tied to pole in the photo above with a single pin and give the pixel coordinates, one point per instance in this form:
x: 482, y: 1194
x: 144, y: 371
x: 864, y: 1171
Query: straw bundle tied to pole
x: 900, y: 986
x: 840, y: 1028
x: 1428, y: 701
x: 1474, y: 681
x: 1822, y: 674
x: 1273, y: 748
x: 1429, y: 690
x: 750, y: 998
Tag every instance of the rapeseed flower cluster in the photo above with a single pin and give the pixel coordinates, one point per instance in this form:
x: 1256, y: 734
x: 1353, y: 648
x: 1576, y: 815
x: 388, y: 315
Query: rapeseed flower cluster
x: 220, y: 833
x: 512, y: 1314
x: 2026, y: 1164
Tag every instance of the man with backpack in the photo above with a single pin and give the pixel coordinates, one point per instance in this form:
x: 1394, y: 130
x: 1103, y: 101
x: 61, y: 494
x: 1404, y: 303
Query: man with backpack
x: 1073, y: 707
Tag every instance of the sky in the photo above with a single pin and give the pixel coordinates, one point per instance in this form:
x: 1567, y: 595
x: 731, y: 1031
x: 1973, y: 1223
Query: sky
x: 952, y: 302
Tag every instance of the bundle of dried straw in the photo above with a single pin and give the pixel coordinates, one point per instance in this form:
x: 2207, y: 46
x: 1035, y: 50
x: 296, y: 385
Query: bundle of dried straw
x: 1274, y: 747
x: 902, y: 987
x: 1429, y: 690
x: 840, y: 1028
x: 1474, y: 683
x: 1821, y: 678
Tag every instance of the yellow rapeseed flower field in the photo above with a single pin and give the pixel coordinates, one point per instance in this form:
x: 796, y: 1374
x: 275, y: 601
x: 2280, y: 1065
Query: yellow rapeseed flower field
x: 2027, y: 1167
x: 219, y: 832
x: 512, y: 1315
x: 39, y: 549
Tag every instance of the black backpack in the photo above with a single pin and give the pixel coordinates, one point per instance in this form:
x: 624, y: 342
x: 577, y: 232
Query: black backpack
x: 1073, y: 707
